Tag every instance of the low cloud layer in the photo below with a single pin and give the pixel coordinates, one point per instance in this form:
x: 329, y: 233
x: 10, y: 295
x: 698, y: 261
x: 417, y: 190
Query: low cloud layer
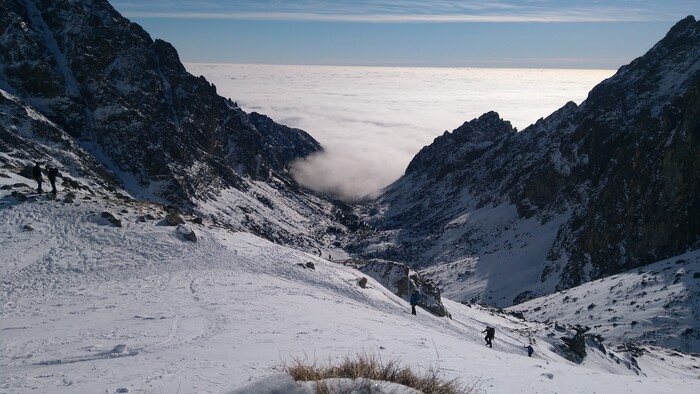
x: 372, y: 121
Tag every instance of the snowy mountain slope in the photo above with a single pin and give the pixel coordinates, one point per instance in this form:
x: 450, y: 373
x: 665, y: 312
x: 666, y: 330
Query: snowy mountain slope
x: 143, y: 125
x: 658, y: 304
x: 587, y: 192
x: 129, y: 100
x: 277, y: 209
x: 99, y: 293
x: 27, y: 135
x: 87, y: 306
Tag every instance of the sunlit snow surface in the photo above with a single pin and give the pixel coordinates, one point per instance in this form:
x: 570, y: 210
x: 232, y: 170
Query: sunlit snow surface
x: 87, y: 307
x: 373, y: 120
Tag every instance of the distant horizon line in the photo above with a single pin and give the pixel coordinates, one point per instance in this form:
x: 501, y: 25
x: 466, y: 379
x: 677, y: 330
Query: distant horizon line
x: 402, y: 66
x: 564, y: 16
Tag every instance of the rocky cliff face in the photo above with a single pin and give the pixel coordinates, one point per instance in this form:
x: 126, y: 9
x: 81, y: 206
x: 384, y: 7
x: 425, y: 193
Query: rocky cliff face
x: 127, y: 99
x: 589, y: 191
x: 640, y: 131
x: 90, y: 92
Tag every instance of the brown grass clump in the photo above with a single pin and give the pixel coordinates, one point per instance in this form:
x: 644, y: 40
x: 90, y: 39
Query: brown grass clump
x: 367, y: 367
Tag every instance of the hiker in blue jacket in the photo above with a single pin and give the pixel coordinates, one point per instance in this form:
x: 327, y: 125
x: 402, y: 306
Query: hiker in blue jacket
x: 415, y: 297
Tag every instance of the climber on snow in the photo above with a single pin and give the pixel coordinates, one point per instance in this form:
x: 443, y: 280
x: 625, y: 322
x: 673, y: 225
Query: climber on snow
x: 490, y: 332
x: 53, y: 173
x: 36, y: 172
x: 530, y: 350
x: 415, y: 297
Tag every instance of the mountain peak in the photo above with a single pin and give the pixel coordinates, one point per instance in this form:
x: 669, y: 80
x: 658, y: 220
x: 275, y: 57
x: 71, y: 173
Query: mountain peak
x: 469, y: 139
x: 585, y: 193
x: 687, y: 24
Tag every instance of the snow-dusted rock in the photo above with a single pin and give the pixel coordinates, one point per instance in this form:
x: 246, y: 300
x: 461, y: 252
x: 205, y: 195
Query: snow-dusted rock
x: 402, y: 281
x: 187, y: 232
x: 112, y: 219
x: 174, y: 219
x: 284, y: 384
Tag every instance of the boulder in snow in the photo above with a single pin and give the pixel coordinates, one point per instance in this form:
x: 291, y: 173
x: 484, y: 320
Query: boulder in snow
x: 187, y: 233
x: 362, y: 282
x: 399, y: 279
x: 112, y: 219
x: 174, y: 219
x: 69, y: 198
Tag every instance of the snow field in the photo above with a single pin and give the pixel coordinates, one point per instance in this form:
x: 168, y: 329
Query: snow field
x: 228, y: 310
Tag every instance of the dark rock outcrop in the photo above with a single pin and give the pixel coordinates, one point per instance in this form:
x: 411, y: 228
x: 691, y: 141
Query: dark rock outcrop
x: 112, y: 219
x: 400, y: 279
x: 174, y: 219
x: 362, y: 282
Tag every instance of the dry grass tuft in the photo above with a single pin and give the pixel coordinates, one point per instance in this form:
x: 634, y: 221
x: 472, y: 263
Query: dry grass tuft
x: 368, y: 367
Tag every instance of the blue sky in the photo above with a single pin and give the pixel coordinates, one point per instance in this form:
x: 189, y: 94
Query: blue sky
x: 444, y: 33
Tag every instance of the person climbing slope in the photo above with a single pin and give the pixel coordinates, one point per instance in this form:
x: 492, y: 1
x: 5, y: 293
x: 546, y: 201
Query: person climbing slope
x: 36, y: 172
x: 415, y: 297
x: 490, y: 333
x: 530, y: 350
x: 53, y: 173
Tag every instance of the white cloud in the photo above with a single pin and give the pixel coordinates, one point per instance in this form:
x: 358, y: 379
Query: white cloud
x: 396, y: 11
x: 559, y: 16
x: 373, y: 120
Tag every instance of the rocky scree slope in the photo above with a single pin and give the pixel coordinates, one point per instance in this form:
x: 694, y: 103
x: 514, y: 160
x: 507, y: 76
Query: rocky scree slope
x: 589, y: 191
x: 656, y: 305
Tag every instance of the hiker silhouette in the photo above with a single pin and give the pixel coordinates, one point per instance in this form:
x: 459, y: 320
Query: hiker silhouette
x: 53, y: 173
x: 490, y: 333
x: 36, y: 172
x: 415, y: 297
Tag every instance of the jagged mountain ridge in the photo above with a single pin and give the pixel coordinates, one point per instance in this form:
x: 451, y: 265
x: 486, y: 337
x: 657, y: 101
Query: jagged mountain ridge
x: 78, y: 74
x: 590, y: 191
x: 129, y: 99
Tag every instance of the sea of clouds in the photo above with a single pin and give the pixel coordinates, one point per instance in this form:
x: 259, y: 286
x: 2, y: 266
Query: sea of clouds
x: 371, y: 121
